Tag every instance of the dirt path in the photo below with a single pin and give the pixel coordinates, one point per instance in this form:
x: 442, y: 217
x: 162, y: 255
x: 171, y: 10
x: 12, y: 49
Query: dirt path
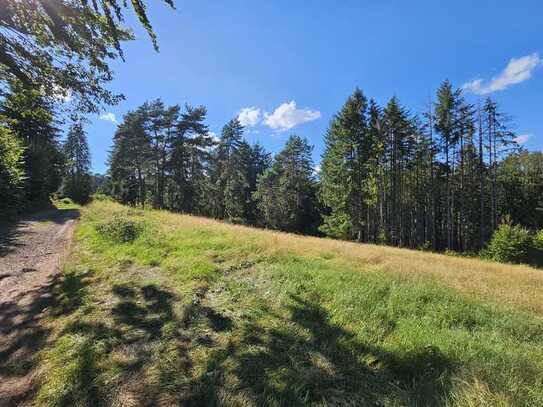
x: 30, y: 254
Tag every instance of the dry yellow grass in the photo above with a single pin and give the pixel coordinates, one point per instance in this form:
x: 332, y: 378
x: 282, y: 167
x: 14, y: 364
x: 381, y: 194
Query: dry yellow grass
x: 511, y: 286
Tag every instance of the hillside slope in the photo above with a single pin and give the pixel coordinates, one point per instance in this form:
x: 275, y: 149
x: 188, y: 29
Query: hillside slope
x: 197, y: 312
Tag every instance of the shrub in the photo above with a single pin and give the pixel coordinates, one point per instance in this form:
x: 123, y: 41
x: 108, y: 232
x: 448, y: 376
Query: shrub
x: 100, y: 197
x: 538, y: 240
x: 121, y: 229
x: 510, y: 244
x: 537, y: 251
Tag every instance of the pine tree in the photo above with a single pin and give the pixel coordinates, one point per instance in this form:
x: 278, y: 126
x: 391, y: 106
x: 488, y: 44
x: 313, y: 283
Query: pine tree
x: 130, y: 160
x: 258, y: 162
x: 188, y: 160
x: 160, y: 124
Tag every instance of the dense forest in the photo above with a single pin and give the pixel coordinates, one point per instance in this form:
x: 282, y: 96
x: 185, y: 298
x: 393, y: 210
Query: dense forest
x: 442, y: 180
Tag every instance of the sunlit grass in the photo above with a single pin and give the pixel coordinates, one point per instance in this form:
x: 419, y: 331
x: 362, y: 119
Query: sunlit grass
x: 199, y: 312
x: 64, y: 204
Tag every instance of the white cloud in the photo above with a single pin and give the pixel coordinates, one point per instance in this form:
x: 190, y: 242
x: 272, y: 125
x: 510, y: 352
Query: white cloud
x: 109, y: 117
x: 287, y: 116
x: 317, y: 169
x: 249, y: 116
x: 522, y: 138
x: 517, y: 70
x: 474, y: 86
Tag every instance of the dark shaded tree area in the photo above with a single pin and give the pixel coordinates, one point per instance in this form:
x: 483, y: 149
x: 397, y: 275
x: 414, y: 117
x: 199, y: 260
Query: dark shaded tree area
x: 54, y: 60
x: 29, y: 118
x: 35, y: 162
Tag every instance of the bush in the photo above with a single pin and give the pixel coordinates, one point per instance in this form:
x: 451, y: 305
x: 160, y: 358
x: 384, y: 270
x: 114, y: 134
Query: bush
x: 510, y: 244
x: 537, y: 251
x: 100, y: 197
x: 121, y: 229
x: 538, y: 240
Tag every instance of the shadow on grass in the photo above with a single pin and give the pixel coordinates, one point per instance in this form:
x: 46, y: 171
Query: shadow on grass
x: 143, y: 331
x: 23, y: 334
x: 306, y: 360
x: 147, y: 315
x: 300, y: 358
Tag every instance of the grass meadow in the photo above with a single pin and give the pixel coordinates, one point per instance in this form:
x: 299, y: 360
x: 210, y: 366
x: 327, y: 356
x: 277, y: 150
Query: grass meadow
x: 198, y: 312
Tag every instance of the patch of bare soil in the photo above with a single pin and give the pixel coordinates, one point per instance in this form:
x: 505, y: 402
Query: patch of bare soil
x: 31, y: 252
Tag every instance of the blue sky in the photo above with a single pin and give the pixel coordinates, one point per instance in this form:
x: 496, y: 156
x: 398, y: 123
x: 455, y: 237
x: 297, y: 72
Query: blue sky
x: 288, y: 66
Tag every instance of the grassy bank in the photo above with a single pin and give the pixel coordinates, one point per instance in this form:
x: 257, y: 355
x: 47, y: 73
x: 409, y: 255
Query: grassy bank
x: 196, y: 312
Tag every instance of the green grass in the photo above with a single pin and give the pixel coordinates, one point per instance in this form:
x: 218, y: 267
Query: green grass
x: 196, y: 312
x: 64, y: 204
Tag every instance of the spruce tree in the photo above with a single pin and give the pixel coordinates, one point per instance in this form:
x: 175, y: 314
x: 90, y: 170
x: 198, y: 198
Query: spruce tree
x: 286, y: 192
x: 229, y: 174
x: 77, y: 178
x: 446, y: 110
x: 346, y: 179
x: 400, y: 133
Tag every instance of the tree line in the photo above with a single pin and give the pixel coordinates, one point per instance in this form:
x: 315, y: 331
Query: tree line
x: 441, y: 180
x: 165, y: 157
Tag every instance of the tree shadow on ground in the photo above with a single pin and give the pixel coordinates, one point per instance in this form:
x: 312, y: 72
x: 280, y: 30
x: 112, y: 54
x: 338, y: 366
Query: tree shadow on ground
x: 146, y: 311
x: 11, y: 234
x: 10, y: 237
x: 141, y: 336
x: 293, y: 359
x: 306, y: 360
x: 23, y: 333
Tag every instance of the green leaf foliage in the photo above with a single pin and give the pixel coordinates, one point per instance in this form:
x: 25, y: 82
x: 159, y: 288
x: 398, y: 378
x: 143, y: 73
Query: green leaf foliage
x: 11, y: 172
x: 510, y: 244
